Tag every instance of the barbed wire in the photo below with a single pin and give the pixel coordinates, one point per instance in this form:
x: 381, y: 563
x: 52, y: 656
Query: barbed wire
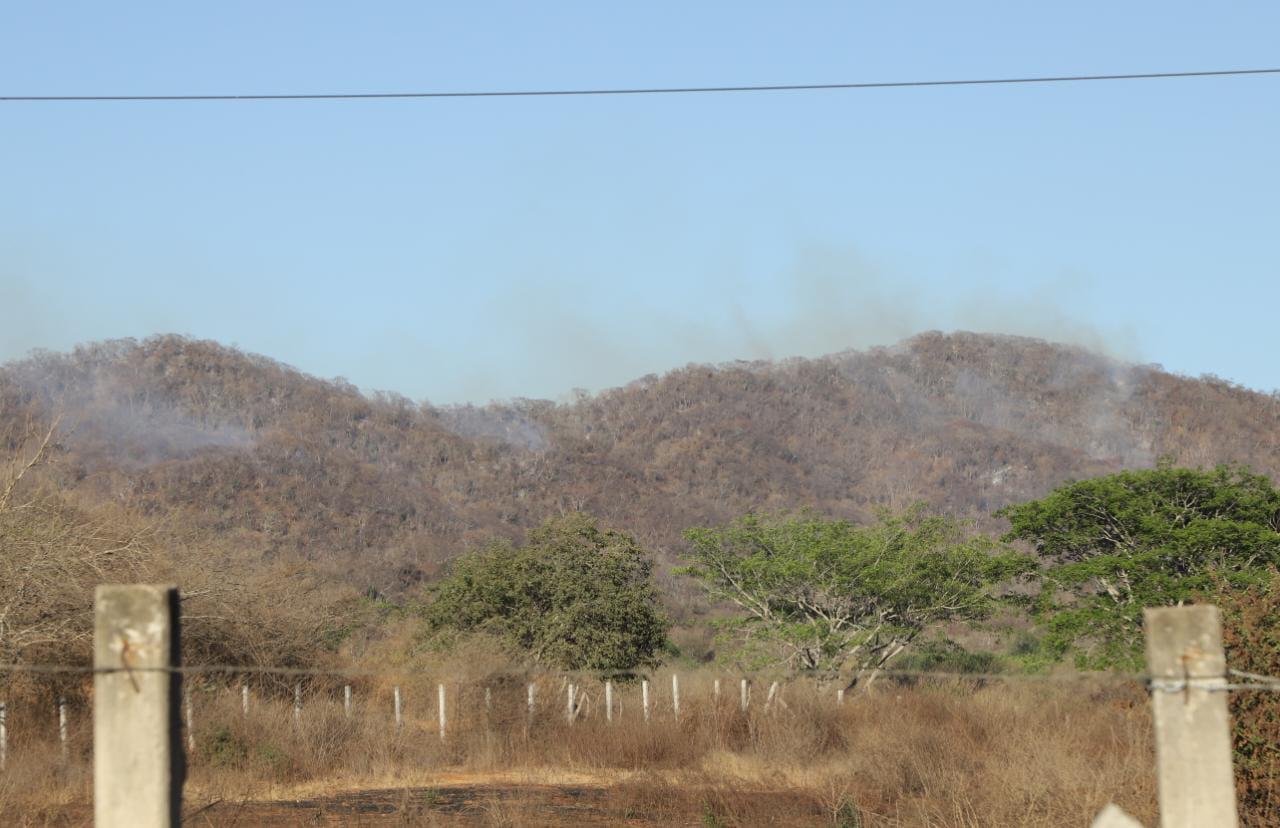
x: 1168, y: 684
x: 1254, y: 682
x: 358, y: 672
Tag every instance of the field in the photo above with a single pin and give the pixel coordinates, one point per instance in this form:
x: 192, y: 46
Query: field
x: 942, y: 753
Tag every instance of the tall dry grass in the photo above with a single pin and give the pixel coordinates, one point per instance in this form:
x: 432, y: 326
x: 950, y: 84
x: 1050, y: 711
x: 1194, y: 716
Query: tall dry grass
x: 943, y: 754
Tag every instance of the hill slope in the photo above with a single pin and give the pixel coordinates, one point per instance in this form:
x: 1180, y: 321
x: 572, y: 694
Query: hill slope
x: 383, y: 490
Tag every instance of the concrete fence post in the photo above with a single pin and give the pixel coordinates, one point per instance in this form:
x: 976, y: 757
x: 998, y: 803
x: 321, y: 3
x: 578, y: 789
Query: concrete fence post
x: 744, y: 694
x: 840, y: 696
x: 608, y: 700
x: 138, y: 767
x: 297, y: 703
x: 244, y: 700
x: 772, y: 697
x: 396, y: 702
x: 191, y: 721
x: 440, y: 697
x: 1189, y: 708
x: 715, y: 692
x: 4, y: 735
x: 675, y: 696
x: 1113, y: 816
x: 346, y: 700
x: 571, y: 695
x: 65, y: 752
x: 644, y: 698
x: 531, y: 698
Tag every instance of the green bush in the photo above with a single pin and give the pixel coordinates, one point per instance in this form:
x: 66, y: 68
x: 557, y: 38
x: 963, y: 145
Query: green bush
x: 224, y: 749
x: 946, y: 656
x: 575, y: 596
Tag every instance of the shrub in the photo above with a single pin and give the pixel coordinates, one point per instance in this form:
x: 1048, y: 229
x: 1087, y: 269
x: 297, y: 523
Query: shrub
x: 1251, y: 634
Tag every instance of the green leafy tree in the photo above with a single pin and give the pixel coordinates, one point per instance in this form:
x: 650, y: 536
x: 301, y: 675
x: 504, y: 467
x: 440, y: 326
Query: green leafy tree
x: 1154, y: 537
x: 826, y: 596
x: 574, y: 596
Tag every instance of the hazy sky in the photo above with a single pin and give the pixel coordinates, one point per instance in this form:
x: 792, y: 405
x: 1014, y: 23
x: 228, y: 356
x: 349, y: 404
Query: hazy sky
x: 470, y: 249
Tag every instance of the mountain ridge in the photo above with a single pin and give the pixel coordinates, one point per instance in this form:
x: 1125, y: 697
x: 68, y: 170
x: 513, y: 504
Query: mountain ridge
x: 378, y: 487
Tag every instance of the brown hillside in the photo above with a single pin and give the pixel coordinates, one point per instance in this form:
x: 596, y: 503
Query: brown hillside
x: 382, y: 490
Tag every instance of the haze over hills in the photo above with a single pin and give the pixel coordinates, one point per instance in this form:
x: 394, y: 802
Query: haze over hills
x: 380, y: 490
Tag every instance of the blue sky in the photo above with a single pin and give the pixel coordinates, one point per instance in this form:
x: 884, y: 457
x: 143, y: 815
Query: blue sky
x: 462, y: 250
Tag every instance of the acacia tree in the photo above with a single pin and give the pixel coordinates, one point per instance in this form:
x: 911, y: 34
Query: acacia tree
x: 574, y: 596
x: 829, y: 596
x: 1146, y: 538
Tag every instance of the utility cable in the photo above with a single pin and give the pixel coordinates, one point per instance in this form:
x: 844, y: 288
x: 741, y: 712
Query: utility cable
x: 657, y: 90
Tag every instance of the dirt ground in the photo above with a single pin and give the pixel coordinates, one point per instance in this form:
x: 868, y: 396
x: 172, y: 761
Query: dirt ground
x: 460, y: 803
x: 443, y: 805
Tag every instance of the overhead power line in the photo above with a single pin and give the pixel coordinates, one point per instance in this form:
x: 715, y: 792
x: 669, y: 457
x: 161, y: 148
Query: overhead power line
x: 657, y: 90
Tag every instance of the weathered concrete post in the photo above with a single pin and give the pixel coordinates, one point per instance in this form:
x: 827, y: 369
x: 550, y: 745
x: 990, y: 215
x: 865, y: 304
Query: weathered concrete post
x: 138, y: 767
x: 440, y: 694
x: 4, y: 735
x: 1189, y: 708
x: 644, y: 698
x: 608, y: 700
x: 191, y: 720
x: 396, y: 697
x: 675, y: 696
x: 744, y: 694
x: 346, y: 700
x: 65, y: 752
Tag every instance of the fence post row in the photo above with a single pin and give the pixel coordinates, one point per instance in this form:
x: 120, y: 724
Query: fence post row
x: 138, y: 762
x: 1189, y: 707
x: 138, y: 759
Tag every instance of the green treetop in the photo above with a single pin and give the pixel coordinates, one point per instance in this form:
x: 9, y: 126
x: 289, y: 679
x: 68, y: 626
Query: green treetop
x: 1155, y: 537
x: 824, y: 596
x: 574, y: 596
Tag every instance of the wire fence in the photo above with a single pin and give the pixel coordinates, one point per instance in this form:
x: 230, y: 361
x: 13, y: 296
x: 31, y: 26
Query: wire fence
x: 581, y: 691
x: 1254, y: 681
x: 331, y: 719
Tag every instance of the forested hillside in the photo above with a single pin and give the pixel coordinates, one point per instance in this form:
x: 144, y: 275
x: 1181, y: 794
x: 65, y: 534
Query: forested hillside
x: 379, y: 490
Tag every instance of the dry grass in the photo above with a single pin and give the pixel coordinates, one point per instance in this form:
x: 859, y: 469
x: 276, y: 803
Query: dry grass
x: 950, y: 754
